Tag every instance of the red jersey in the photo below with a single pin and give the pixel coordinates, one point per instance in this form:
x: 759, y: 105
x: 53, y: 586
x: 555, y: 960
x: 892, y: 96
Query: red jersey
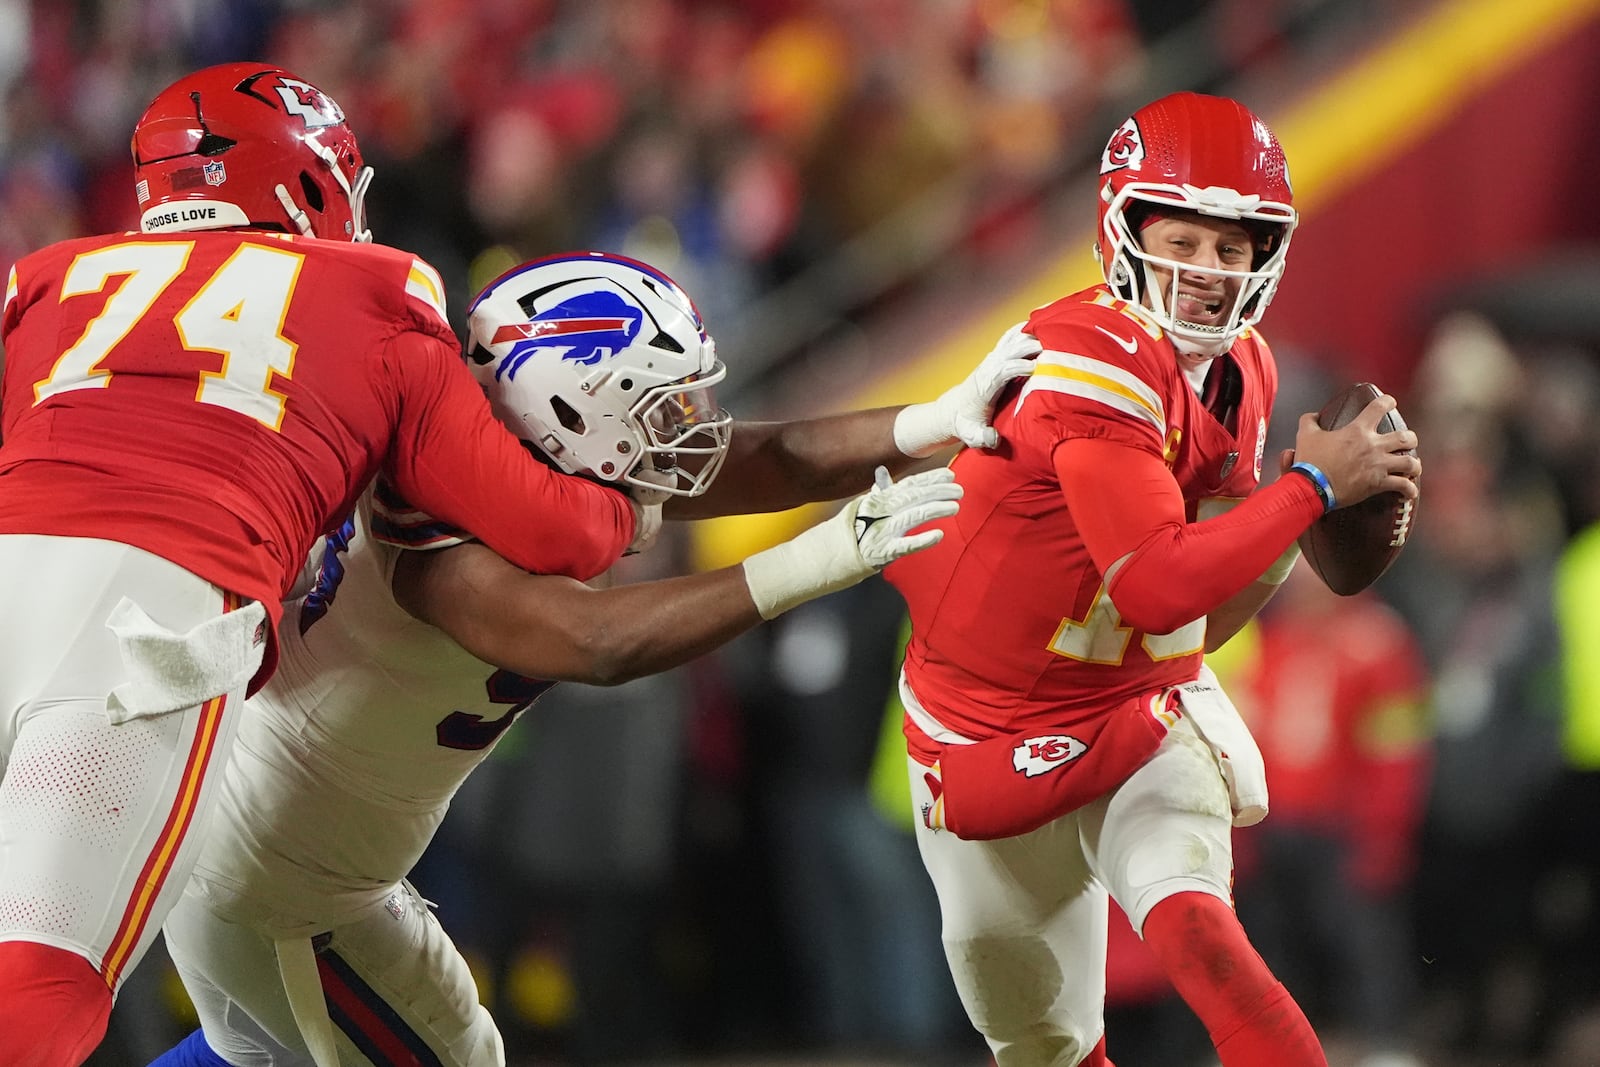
x: 1012, y: 628
x: 220, y: 399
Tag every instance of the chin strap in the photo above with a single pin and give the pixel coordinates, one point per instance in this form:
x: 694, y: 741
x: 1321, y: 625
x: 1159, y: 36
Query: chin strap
x: 296, y: 215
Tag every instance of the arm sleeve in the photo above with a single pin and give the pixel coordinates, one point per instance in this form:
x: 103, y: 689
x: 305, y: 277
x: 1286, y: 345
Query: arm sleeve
x: 452, y: 458
x: 1126, y: 503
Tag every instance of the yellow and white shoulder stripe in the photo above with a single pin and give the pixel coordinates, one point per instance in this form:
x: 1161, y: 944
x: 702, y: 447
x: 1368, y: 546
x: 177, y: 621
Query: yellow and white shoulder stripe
x: 425, y: 284
x: 1097, y: 380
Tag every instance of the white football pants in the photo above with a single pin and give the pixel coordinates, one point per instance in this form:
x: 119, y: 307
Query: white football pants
x: 1025, y: 917
x: 100, y: 821
x: 393, y: 983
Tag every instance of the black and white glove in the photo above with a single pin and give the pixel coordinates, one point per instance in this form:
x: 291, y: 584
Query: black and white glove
x: 870, y: 532
x: 962, y: 414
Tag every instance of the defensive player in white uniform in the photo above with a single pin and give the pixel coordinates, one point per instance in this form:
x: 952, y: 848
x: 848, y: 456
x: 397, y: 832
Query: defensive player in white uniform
x: 416, y: 648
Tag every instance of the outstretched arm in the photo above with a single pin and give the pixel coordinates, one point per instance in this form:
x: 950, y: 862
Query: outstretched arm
x: 548, y: 626
x: 772, y: 466
x: 555, y: 628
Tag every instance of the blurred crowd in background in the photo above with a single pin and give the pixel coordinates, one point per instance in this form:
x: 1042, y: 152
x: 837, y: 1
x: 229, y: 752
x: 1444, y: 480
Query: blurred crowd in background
x: 729, y: 142
x: 715, y: 865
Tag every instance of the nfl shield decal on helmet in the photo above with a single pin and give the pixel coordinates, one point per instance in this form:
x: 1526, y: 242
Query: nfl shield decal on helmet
x: 216, y: 174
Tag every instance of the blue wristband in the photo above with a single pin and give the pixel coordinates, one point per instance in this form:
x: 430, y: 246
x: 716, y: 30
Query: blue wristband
x: 1320, y: 482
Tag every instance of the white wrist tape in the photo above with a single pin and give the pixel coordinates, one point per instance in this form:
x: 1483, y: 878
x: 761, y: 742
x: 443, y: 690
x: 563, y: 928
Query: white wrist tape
x: 1278, y: 573
x: 822, y: 560
x: 922, y: 429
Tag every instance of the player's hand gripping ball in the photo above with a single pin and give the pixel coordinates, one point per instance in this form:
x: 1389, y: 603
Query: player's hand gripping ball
x: 1351, y: 547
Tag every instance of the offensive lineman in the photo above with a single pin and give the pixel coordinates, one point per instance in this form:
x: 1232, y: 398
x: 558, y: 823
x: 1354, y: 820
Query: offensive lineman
x: 186, y: 409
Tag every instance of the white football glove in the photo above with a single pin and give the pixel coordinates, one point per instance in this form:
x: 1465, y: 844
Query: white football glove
x: 962, y: 414
x: 868, y: 534
x: 647, y: 509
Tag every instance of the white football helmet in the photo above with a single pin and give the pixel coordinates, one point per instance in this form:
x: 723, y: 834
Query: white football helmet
x: 603, y: 363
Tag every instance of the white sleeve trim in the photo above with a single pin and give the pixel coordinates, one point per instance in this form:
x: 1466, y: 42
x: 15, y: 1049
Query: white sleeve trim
x: 1101, y: 382
x: 424, y: 283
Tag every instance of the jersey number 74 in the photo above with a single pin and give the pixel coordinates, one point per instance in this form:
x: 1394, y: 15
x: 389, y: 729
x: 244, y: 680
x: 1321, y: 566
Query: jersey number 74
x: 237, y: 313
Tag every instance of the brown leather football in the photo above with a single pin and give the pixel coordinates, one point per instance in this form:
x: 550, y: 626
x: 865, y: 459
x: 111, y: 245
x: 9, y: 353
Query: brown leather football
x: 1351, y: 547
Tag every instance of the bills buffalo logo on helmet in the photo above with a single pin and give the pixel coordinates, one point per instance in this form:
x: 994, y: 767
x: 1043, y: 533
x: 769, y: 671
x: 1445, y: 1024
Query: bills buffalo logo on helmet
x: 1125, y: 150
x: 1037, y: 755
x: 586, y: 328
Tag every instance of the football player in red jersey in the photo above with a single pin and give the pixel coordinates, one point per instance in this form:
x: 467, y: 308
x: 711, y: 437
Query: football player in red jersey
x: 1066, y: 741
x: 186, y: 409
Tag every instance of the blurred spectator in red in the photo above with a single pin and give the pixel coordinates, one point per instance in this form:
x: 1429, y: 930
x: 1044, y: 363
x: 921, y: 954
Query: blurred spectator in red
x: 1334, y: 691
x: 1475, y: 581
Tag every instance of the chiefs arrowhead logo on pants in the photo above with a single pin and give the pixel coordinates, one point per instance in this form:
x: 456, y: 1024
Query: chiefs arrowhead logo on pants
x: 1037, y: 755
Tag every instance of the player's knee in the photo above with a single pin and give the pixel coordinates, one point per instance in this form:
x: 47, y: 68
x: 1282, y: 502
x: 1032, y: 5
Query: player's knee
x: 481, y: 1043
x: 1018, y: 997
x: 53, y: 1005
x: 1170, y: 860
x: 1044, y: 1048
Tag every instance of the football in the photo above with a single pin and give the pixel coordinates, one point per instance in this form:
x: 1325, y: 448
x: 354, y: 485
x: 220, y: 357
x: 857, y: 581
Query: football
x: 1351, y: 547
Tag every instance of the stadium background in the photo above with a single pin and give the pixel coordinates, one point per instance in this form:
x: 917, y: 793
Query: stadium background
x: 862, y: 194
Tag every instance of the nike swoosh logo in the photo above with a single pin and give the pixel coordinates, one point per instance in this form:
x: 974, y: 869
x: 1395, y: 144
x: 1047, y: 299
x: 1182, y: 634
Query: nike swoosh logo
x: 1128, y: 344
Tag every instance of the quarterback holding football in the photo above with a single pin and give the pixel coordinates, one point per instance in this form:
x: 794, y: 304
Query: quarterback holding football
x: 1067, y: 743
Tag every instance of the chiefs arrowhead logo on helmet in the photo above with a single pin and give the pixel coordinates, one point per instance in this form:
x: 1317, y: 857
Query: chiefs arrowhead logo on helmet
x: 1125, y: 150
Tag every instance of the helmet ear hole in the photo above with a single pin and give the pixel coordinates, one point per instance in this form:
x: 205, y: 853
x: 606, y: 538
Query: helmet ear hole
x: 312, y: 193
x: 666, y: 342
x: 567, y: 415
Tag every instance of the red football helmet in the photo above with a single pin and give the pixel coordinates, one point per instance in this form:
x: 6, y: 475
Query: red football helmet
x: 1206, y: 154
x: 245, y: 144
